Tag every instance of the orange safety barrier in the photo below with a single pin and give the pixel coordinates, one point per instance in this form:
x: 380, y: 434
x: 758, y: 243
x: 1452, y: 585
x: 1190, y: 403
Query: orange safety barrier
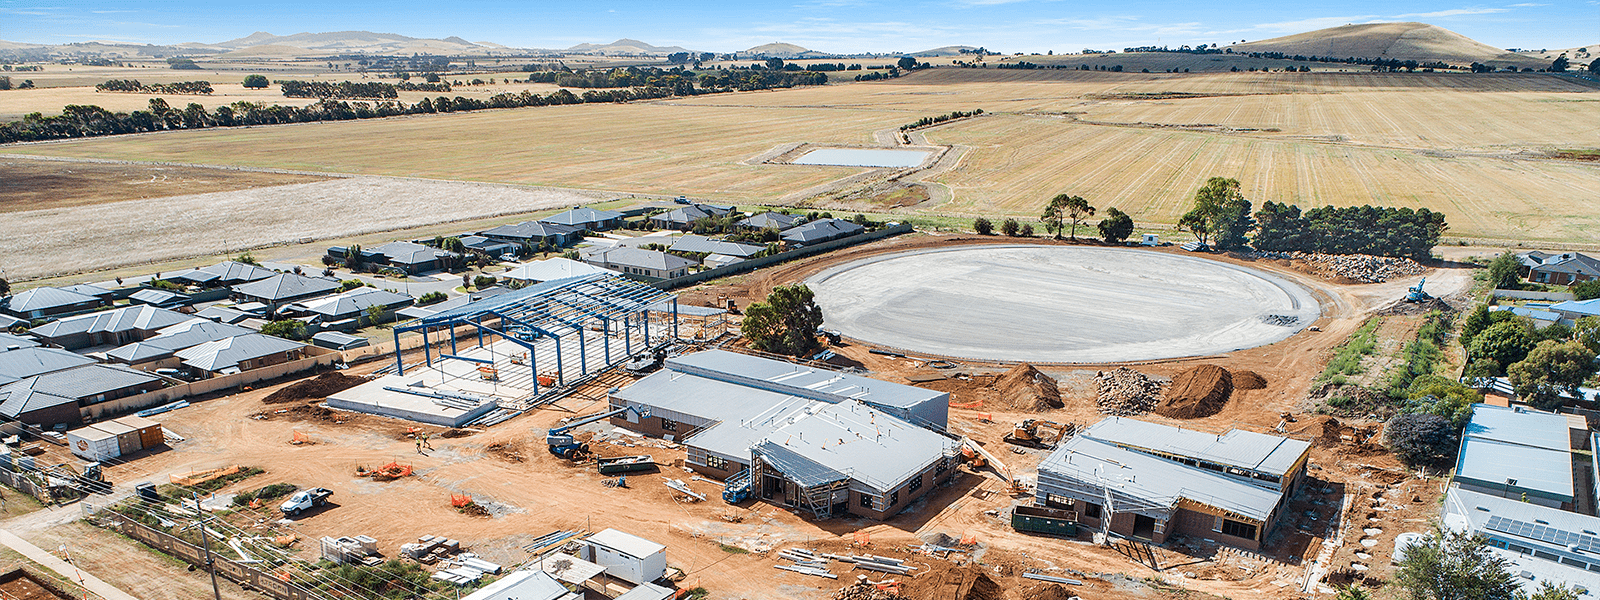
x: 968, y: 540
x: 194, y: 478
x: 863, y: 538
x: 300, y: 438
x: 986, y: 417
x: 460, y: 500
x: 391, y: 471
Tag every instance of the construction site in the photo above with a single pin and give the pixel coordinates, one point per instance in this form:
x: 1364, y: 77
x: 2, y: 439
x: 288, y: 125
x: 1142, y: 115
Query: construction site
x: 897, y: 467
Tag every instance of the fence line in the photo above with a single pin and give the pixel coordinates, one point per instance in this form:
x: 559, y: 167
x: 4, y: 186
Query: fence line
x: 756, y: 263
x: 318, y: 357
x: 244, y: 575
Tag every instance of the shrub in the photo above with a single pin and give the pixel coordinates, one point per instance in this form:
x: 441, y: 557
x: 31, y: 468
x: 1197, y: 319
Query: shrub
x: 483, y: 281
x: 350, y: 284
x: 1027, y: 230
x: 983, y: 226
x: 431, y: 298
x: 1009, y: 227
x: 1421, y: 439
x: 1587, y: 290
x: 288, y: 329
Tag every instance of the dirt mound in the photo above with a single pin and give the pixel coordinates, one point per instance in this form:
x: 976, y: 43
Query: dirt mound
x: 1049, y: 591
x: 1248, y: 380
x: 455, y: 433
x: 315, y: 388
x: 1198, y: 393
x: 1126, y: 392
x: 1026, y: 388
x: 1331, y: 429
x: 509, y: 452
x: 938, y: 582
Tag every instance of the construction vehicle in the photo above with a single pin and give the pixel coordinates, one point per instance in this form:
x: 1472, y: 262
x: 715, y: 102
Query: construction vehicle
x: 641, y: 365
x: 90, y: 480
x: 979, y: 458
x: 737, y: 488
x: 1415, y: 294
x: 563, y: 445
x: 305, y: 500
x: 1037, y: 433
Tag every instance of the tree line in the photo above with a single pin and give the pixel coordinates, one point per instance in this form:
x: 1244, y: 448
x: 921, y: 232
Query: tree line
x: 133, y: 85
x: 681, y: 82
x: 345, y: 89
x: 89, y: 121
x: 1222, y: 218
x: 937, y: 119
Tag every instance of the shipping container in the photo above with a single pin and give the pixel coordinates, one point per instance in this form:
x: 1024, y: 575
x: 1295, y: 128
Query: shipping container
x: 150, y: 434
x: 93, y: 444
x: 1049, y: 521
x: 127, y: 437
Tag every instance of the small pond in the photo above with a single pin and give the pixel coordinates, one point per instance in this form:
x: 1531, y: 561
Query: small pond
x: 862, y: 157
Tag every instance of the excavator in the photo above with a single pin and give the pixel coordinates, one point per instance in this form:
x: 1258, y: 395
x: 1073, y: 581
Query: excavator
x: 1037, y: 433
x: 979, y: 458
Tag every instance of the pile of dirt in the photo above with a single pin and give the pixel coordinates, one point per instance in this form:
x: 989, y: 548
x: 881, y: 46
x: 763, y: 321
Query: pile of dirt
x: 866, y: 591
x: 1048, y: 591
x: 1125, y: 392
x: 304, y: 412
x: 1025, y: 388
x: 1248, y: 380
x: 315, y: 388
x: 942, y: 581
x: 509, y: 451
x: 1197, y: 393
x: 455, y: 433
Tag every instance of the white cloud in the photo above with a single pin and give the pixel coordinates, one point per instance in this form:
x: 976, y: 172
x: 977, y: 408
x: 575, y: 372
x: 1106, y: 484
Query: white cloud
x: 1454, y: 12
x: 1528, y: 4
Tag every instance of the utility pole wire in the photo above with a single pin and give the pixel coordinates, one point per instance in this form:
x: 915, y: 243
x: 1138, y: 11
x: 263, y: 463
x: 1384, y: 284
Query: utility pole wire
x: 211, y: 565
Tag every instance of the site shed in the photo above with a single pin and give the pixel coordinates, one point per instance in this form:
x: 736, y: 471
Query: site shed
x: 93, y: 444
x: 127, y: 437
x: 626, y: 556
x: 150, y: 434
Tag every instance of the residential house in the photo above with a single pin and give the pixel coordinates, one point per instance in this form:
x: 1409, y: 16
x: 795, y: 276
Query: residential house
x: 160, y: 351
x: 418, y: 312
x: 334, y: 340
x: 586, y: 219
x: 159, y: 298
x: 284, y: 288
x: 1572, y: 310
x: 551, y: 269
x: 699, y: 243
x: 223, y: 314
x: 44, y: 302
x: 641, y: 263
x: 489, y: 247
x: 346, y: 310
x: 534, y: 233
x: 16, y: 342
x: 684, y: 218
x: 1538, y: 543
x: 1523, y: 454
x: 105, y: 295
x: 775, y: 220
x: 1559, y: 269
x: 107, y: 328
x: 414, y: 258
x: 714, y: 261
x: 22, y: 363
x: 223, y: 274
x: 57, y: 397
x: 8, y: 322
x: 819, y: 231
x: 238, y: 354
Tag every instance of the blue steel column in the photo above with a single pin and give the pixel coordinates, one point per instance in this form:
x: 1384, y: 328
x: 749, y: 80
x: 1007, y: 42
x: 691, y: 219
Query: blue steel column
x: 561, y: 368
x: 533, y: 365
x: 583, y: 352
x: 399, y: 363
x: 675, y: 318
x: 607, y: 338
x: 453, y: 339
x: 427, y: 352
x: 647, y: 329
x: 627, y: 335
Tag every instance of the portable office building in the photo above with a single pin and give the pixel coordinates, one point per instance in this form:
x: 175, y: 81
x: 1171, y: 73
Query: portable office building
x: 150, y: 434
x: 93, y: 444
x: 626, y: 556
x: 127, y: 437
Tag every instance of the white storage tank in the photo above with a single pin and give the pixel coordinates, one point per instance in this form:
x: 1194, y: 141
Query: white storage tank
x: 626, y: 556
x: 94, y: 445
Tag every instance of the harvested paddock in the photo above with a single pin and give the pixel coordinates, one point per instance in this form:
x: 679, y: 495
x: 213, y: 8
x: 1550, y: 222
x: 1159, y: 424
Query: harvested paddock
x: 27, y: 183
x: 157, y: 229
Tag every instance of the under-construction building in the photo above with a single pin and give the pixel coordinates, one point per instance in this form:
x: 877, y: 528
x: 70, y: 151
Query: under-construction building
x: 827, y: 442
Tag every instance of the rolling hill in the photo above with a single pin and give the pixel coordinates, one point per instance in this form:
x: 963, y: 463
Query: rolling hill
x: 1401, y: 41
x: 625, y: 46
x: 780, y: 50
x: 943, y: 51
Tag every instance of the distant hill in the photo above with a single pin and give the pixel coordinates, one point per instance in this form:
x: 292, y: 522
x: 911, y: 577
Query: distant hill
x: 625, y: 46
x: 1578, y: 55
x: 780, y: 50
x: 944, y: 51
x: 365, y: 42
x: 1401, y: 41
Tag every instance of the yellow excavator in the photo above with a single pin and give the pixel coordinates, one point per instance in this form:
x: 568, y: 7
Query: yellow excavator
x: 1038, y: 433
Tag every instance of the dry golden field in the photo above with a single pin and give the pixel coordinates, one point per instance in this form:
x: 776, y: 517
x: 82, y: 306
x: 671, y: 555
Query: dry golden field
x: 1470, y: 146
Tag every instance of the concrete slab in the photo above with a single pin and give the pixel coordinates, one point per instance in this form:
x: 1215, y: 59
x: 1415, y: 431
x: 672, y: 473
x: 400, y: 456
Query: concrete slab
x: 375, y: 398
x: 1060, y: 304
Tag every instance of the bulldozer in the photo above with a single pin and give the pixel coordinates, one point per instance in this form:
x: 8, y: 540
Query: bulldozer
x: 1037, y: 433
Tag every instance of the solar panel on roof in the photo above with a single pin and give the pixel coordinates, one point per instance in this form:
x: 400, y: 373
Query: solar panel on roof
x: 1542, y: 533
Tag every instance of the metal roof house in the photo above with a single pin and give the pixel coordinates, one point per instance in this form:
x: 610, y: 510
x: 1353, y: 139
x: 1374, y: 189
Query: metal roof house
x: 347, y: 309
x: 1561, y: 269
x: 1519, y: 452
x: 158, y: 298
x: 160, y: 351
x: 489, y: 247
x: 284, y: 288
x: 1269, y: 461
x: 222, y: 274
x: 682, y: 218
x: 238, y: 354
x: 1541, y: 544
x: 112, y: 327
x: 57, y: 397
x: 700, y: 243
x: 524, y: 585
x: 334, y: 340
x: 553, y: 268
x: 413, y: 258
x: 532, y: 233
x: 1573, y: 310
x: 26, y: 362
x: 1152, y: 498
x: 820, y: 230
x: 42, y: 302
x: 822, y: 441
x: 586, y: 218
x: 775, y: 220
x: 16, y: 342
x: 640, y: 263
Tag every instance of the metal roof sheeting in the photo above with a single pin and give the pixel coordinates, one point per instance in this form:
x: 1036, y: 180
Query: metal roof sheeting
x: 27, y: 362
x: 129, y: 318
x: 1529, y: 447
x: 1154, y: 480
x: 43, y: 298
x: 554, y: 268
x: 800, y: 380
x: 1244, y: 449
x: 582, y: 216
x: 700, y: 243
x: 626, y: 543
x: 285, y: 286
x: 225, y: 354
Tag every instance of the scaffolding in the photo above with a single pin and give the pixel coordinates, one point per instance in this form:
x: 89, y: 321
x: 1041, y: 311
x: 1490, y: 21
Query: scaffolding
x: 565, y: 330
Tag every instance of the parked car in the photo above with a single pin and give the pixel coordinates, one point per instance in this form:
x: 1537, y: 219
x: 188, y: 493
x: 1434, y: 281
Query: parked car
x: 305, y: 500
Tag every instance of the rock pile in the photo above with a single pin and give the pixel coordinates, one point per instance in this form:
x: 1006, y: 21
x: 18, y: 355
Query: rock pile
x: 866, y: 591
x: 1356, y: 267
x: 1126, y: 392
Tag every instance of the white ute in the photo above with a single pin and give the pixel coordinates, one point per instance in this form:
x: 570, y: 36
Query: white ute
x: 304, y: 500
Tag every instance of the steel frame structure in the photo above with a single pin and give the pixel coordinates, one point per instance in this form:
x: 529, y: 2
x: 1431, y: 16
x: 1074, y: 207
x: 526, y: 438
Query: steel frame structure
x: 562, y: 311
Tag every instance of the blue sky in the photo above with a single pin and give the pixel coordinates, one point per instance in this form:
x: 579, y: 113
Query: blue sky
x: 843, y: 26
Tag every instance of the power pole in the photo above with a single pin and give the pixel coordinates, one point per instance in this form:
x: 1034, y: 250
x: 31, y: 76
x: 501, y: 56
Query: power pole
x: 205, y: 539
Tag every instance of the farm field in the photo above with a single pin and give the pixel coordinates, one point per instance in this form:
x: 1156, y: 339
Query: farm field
x: 1471, y: 146
x: 31, y: 184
